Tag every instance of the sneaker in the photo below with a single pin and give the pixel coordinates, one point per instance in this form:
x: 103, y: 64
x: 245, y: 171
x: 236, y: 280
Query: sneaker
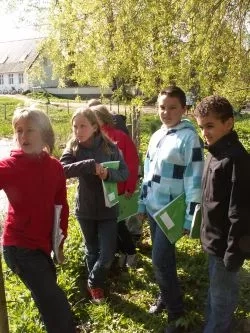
x: 158, y: 307
x: 97, y: 295
x: 131, y: 260
x: 122, y: 260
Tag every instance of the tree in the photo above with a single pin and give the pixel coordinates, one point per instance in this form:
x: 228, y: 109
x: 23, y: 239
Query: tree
x: 203, y: 47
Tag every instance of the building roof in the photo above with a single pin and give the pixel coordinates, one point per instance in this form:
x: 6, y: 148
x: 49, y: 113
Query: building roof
x: 17, y: 56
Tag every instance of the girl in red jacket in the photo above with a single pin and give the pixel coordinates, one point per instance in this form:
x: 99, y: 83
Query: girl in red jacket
x: 126, y: 145
x: 34, y: 183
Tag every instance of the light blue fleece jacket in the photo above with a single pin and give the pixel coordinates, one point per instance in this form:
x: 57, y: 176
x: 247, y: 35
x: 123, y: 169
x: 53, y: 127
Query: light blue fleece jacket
x: 173, y: 165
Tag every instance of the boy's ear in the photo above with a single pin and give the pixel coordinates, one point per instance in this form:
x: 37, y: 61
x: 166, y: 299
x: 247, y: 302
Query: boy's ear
x: 230, y: 123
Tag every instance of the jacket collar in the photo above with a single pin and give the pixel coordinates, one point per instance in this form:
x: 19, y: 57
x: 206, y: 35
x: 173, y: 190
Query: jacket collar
x: 223, y: 144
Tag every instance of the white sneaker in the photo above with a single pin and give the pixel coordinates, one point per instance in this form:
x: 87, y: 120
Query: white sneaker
x: 122, y: 260
x: 131, y: 260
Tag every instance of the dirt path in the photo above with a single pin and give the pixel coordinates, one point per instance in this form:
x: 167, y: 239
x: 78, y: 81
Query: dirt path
x: 5, y: 147
x: 74, y: 105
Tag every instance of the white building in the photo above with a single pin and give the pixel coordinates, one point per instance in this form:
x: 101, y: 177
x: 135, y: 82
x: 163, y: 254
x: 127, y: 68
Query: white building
x: 16, y: 59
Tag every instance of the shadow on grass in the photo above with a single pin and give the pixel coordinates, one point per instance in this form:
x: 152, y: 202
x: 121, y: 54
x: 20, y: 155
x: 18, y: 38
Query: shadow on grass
x: 138, y: 313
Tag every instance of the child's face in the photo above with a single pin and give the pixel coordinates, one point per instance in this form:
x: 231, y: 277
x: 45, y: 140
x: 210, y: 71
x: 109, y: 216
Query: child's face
x: 28, y: 136
x: 170, y: 110
x: 83, y: 129
x: 214, y: 128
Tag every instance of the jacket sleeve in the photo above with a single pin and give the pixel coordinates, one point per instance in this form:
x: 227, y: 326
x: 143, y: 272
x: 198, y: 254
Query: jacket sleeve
x: 194, y: 163
x: 73, y: 168
x: 122, y: 173
x: 238, y: 213
x: 132, y: 160
x: 6, y: 173
x: 61, y: 199
x: 144, y: 185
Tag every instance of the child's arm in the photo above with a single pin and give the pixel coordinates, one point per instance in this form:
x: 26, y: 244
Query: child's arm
x: 132, y: 160
x: 143, y: 191
x: 238, y: 213
x: 72, y: 168
x: 6, y: 172
x: 61, y: 199
x: 193, y: 159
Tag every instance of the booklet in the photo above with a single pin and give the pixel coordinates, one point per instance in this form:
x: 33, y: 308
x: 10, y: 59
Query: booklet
x: 110, y: 188
x: 196, y: 223
x: 57, y: 234
x: 171, y: 218
x: 128, y: 206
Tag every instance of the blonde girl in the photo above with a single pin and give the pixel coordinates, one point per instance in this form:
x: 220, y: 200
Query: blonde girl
x: 34, y: 182
x: 87, y: 148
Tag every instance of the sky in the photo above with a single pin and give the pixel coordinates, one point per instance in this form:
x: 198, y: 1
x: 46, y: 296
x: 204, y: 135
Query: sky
x: 12, y: 29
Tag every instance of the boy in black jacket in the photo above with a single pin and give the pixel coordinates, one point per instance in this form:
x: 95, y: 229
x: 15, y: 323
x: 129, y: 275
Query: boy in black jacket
x: 225, y: 209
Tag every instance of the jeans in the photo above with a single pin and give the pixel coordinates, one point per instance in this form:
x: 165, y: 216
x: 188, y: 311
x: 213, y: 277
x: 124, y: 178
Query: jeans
x: 222, y: 297
x: 125, y: 241
x: 164, y: 266
x: 100, y: 243
x: 37, y: 271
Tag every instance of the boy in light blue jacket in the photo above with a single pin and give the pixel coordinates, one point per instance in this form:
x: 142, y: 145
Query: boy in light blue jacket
x: 173, y: 165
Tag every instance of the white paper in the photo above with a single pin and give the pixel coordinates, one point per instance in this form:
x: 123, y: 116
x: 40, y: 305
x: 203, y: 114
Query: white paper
x: 167, y: 220
x: 57, y: 235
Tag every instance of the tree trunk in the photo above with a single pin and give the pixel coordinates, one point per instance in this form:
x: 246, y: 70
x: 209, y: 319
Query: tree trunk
x: 4, y: 325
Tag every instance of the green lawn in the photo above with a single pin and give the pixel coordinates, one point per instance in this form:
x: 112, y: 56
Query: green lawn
x: 130, y: 291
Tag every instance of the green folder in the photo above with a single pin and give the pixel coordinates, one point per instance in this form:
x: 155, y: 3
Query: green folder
x: 196, y: 223
x: 128, y: 206
x: 171, y: 218
x: 110, y: 188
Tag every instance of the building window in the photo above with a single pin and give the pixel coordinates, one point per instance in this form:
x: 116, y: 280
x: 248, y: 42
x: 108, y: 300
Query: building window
x: 11, y: 78
x: 20, y: 77
x: 1, y: 79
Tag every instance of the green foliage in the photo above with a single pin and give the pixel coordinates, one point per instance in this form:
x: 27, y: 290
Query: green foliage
x: 203, y: 47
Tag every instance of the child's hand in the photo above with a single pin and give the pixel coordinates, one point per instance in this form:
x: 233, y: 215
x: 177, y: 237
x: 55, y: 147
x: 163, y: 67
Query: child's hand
x: 103, y: 174
x: 98, y: 169
x: 127, y: 194
x: 61, y: 256
x: 186, y: 232
x: 141, y: 217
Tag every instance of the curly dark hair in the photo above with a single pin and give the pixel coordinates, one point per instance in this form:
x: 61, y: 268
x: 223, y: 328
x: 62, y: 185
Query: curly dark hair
x: 216, y: 105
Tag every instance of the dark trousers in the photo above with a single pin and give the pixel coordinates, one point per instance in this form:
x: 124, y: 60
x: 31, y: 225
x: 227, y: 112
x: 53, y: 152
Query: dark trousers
x: 222, y: 297
x: 125, y: 241
x: 37, y: 271
x: 100, y: 242
x: 164, y: 265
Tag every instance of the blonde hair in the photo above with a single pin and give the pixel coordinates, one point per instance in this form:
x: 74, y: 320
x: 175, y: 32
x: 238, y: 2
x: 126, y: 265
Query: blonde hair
x: 103, y: 114
x: 41, y: 120
x: 88, y: 113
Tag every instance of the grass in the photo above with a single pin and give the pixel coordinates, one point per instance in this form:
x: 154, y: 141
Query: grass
x: 130, y: 291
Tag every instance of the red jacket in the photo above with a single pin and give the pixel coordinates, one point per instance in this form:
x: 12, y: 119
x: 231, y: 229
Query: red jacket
x: 33, y: 185
x: 129, y: 151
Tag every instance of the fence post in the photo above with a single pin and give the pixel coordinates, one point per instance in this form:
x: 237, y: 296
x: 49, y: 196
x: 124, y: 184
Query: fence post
x: 68, y: 106
x: 4, y: 324
x: 136, y: 126
x: 110, y: 105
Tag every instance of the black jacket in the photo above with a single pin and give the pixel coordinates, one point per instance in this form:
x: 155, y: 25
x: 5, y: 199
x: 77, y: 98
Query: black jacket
x: 226, y: 205
x: 90, y: 202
